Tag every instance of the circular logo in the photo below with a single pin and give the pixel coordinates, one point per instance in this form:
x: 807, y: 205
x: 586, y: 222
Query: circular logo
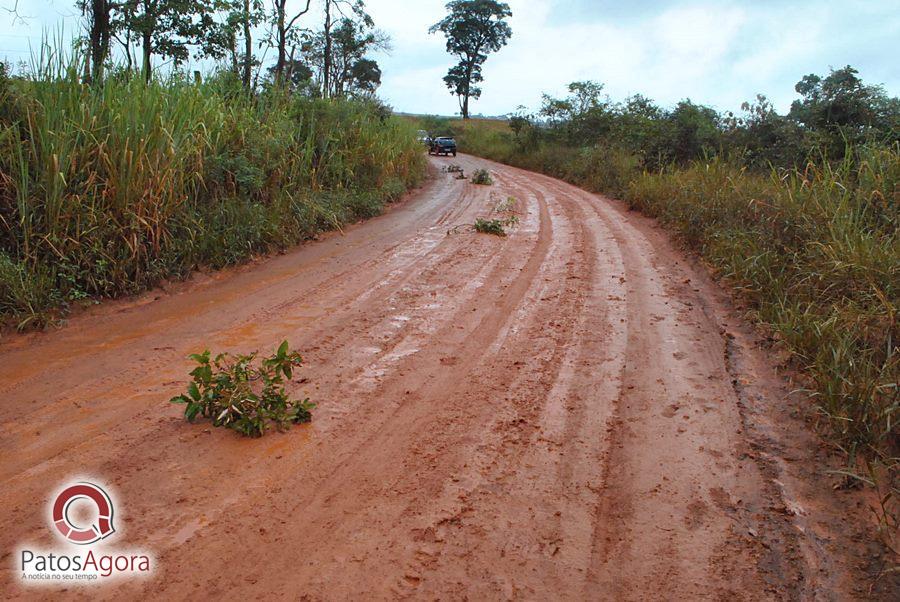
x: 81, y: 534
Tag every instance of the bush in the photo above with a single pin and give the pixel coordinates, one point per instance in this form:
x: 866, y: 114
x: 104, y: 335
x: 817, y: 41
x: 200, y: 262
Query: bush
x: 20, y: 288
x: 236, y: 393
x: 482, y: 177
x: 489, y: 226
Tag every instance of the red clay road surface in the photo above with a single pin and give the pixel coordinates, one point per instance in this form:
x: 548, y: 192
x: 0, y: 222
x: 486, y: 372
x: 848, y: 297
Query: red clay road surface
x: 571, y: 412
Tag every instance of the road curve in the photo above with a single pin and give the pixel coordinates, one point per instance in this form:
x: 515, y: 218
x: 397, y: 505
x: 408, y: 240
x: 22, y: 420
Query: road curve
x: 570, y: 412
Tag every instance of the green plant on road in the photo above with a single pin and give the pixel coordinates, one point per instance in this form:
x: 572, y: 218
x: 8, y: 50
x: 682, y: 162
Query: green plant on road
x: 482, y: 177
x: 236, y: 392
x: 489, y: 226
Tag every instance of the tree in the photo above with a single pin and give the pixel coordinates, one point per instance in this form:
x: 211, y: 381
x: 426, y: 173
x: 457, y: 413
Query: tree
x: 842, y: 109
x: 638, y: 124
x: 474, y: 28
x: 338, y: 51
x: 581, y: 117
x: 463, y: 80
x: 347, y: 11
x: 99, y: 20
x: 764, y: 137
x: 13, y: 10
x: 694, y: 131
x: 285, y: 32
x: 364, y: 77
x: 221, y: 40
x: 165, y: 28
x: 344, y: 68
x: 298, y: 77
x: 584, y: 97
x: 251, y: 15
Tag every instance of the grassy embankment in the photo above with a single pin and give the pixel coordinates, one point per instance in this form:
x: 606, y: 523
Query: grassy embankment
x: 815, y: 251
x: 107, y: 190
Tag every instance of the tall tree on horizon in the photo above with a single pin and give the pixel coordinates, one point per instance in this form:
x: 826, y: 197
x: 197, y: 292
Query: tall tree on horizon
x: 473, y: 28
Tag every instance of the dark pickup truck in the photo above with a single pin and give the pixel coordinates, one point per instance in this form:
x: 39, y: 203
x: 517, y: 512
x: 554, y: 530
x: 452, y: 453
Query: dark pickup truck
x: 442, y: 146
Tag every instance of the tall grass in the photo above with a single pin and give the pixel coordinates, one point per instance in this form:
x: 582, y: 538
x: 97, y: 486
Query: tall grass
x: 816, y: 252
x: 105, y: 190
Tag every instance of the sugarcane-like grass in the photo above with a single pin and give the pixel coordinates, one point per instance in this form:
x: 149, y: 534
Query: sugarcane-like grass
x: 107, y: 189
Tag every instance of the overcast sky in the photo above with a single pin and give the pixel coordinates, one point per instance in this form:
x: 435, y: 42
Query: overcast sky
x: 719, y: 52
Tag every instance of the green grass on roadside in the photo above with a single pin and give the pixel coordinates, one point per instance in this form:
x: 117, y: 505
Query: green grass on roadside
x: 107, y: 190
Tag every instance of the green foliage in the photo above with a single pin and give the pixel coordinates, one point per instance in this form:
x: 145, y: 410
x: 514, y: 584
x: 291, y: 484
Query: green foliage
x: 247, y: 396
x: 25, y: 294
x: 582, y: 116
x: 462, y: 80
x: 817, y: 252
x: 843, y: 110
x: 603, y: 167
x: 482, y: 177
x: 763, y: 136
x: 693, y: 132
x: 437, y: 126
x: 834, y: 113
x: 164, y: 28
x: 107, y: 190
x: 497, y: 226
x: 222, y: 29
x: 350, y: 72
x: 507, y: 206
x: 489, y: 226
x: 474, y: 29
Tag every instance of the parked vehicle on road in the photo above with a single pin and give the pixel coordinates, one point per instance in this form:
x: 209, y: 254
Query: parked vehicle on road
x: 442, y: 146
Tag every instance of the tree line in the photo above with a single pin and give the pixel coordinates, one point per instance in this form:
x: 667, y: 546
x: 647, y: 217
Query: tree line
x: 329, y: 58
x: 833, y: 113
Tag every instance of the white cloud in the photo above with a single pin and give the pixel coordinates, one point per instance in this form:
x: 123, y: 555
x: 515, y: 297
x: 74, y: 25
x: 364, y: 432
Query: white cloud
x: 715, y: 52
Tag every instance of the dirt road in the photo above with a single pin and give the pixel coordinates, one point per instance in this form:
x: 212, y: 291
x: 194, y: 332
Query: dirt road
x: 571, y: 412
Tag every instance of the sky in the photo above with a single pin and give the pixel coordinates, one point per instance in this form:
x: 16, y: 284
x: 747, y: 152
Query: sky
x: 716, y: 52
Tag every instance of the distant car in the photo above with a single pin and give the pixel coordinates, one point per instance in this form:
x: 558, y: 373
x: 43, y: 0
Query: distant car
x: 423, y: 137
x: 442, y: 146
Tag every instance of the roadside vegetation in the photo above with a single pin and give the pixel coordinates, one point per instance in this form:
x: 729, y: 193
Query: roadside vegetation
x: 799, y: 213
x: 115, y: 177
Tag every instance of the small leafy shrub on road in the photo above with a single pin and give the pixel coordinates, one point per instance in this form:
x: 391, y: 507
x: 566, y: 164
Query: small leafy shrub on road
x: 507, y: 206
x: 483, y: 177
x: 489, y: 226
x: 236, y: 392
